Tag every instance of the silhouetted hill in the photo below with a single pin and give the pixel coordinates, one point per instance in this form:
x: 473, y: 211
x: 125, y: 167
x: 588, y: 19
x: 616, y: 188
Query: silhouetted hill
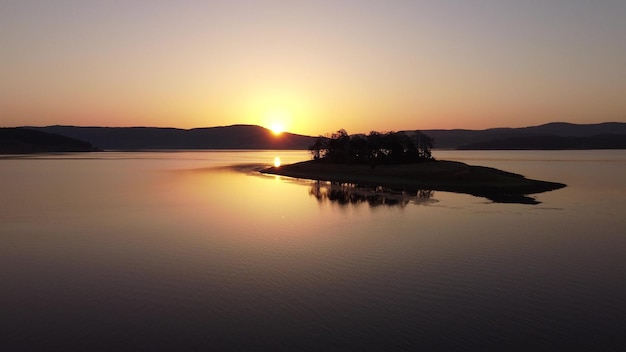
x: 143, y: 138
x: 21, y: 140
x: 551, y: 142
x: 558, y: 135
x: 526, y: 136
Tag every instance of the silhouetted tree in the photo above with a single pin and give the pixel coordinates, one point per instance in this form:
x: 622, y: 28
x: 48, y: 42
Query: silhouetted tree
x: 391, y: 147
x: 359, y: 148
x: 339, y: 147
x: 424, y: 145
x: 319, y: 148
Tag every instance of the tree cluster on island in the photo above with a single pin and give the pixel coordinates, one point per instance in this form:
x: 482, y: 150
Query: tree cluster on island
x: 374, y: 148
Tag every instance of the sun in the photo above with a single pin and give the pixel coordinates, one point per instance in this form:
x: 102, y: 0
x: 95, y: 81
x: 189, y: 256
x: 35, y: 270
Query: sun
x: 277, y: 128
x: 278, y: 120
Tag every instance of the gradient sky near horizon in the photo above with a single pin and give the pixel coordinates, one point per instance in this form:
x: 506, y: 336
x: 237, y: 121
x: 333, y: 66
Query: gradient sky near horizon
x: 313, y: 66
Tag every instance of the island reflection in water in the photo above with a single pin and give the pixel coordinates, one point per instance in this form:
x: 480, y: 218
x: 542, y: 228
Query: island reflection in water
x: 346, y: 194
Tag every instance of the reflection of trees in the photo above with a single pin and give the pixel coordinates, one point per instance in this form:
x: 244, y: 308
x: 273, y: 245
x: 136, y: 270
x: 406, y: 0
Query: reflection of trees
x: 348, y: 193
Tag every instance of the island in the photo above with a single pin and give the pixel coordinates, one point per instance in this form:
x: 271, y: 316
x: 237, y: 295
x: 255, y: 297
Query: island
x: 402, y: 161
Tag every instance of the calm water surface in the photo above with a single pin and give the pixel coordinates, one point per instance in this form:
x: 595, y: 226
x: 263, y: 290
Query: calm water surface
x: 196, y: 251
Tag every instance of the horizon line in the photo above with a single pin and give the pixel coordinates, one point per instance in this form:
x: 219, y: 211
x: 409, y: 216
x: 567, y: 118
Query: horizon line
x: 268, y: 129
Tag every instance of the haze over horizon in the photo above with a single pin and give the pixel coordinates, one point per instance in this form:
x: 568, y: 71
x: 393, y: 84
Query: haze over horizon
x: 312, y: 67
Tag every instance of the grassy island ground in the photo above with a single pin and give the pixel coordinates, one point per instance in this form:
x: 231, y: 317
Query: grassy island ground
x: 439, y: 175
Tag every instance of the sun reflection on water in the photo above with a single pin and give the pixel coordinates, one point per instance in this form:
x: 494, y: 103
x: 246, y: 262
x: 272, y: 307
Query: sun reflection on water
x: 277, y: 162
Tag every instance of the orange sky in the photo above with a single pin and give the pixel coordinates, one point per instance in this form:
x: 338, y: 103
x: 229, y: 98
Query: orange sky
x: 313, y: 67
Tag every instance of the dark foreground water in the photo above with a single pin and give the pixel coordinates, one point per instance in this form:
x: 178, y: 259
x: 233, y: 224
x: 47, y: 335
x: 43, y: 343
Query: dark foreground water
x: 184, y: 252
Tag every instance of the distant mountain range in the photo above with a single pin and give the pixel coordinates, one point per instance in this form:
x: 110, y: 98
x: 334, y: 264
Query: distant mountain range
x: 610, y: 135
x: 24, y: 140
x: 556, y: 135
x: 150, y: 138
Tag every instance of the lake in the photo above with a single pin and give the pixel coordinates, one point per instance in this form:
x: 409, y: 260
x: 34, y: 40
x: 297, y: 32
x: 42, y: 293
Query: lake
x: 194, y: 250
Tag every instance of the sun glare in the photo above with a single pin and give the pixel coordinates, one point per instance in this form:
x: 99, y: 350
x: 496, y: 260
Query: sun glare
x: 278, y: 120
x: 277, y: 128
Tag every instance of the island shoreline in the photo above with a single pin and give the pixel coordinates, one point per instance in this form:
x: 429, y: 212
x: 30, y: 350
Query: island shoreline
x: 437, y: 175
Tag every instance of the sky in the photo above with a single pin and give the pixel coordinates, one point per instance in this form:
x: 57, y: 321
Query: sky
x: 312, y: 66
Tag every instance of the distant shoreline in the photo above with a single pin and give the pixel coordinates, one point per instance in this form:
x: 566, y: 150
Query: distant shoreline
x: 551, y: 136
x: 437, y: 175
